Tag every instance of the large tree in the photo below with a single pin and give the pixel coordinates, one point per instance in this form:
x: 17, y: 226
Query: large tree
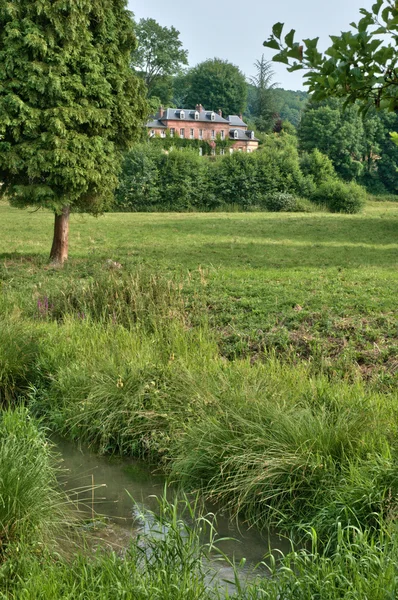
x: 218, y: 85
x: 360, y: 65
x: 69, y: 105
x: 159, y: 53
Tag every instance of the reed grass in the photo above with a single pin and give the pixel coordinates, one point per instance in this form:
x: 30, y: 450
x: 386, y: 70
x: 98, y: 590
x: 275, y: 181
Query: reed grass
x: 171, y: 562
x: 32, y: 509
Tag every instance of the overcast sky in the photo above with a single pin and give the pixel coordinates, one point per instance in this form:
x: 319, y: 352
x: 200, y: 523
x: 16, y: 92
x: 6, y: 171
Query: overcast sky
x: 234, y: 30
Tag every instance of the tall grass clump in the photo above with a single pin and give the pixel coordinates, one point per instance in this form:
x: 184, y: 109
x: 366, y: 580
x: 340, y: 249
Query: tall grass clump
x: 112, y: 296
x: 19, y: 347
x: 360, y: 566
x: 287, y: 457
x: 30, y: 503
x: 120, y: 389
x: 168, y: 561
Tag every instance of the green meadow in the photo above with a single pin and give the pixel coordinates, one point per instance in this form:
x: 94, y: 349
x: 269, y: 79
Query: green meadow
x: 317, y: 286
x: 251, y: 357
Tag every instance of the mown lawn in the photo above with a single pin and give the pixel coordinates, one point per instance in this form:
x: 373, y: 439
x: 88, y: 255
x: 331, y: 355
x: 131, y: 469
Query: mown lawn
x: 314, y: 286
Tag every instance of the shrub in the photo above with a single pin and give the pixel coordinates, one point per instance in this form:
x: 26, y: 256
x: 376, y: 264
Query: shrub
x: 279, y: 201
x: 340, y: 197
x: 318, y: 166
x: 278, y: 168
x: 154, y: 179
x: 182, y: 180
x: 234, y: 180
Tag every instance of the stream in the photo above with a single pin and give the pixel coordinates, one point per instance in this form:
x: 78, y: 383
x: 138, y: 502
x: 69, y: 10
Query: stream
x: 106, y: 486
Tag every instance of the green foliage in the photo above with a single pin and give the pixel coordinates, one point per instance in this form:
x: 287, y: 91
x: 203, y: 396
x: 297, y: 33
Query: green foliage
x: 263, y: 105
x: 139, y: 184
x: 156, y: 179
x: 290, y: 104
x: 359, y: 65
x: 359, y: 146
x: 182, y: 178
x: 159, y: 54
x: 340, y: 197
x: 30, y: 503
x: 279, y: 167
x: 337, y: 133
x: 234, y: 178
x: 280, y: 201
x: 387, y: 165
x: 179, y: 179
x: 69, y: 101
x: 217, y: 85
x: 318, y: 166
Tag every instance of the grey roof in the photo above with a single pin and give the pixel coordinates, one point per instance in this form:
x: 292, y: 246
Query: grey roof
x: 236, y: 121
x: 204, y: 115
x: 242, y: 135
x: 155, y: 123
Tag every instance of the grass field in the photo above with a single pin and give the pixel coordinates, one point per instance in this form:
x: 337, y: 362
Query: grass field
x: 253, y: 357
x: 313, y: 286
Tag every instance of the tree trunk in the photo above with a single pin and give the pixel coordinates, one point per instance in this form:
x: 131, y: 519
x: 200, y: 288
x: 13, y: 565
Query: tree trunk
x: 59, y: 249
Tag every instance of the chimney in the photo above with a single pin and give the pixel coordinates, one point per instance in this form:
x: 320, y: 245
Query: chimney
x: 199, y: 107
x: 161, y: 111
x: 241, y: 117
x: 220, y: 112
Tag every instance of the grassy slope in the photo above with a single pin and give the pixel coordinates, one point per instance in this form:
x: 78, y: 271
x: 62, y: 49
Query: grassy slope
x: 315, y: 285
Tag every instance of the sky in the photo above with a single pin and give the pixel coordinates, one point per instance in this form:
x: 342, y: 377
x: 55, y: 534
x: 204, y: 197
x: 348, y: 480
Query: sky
x: 234, y: 30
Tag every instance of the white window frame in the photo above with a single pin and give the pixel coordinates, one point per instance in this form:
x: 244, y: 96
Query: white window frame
x: 182, y: 114
x: 201, y: 134
x: 172, y: 131
x: 222, y: 134
x: 163, y: 133
x: 192, y: 133
x: 213, y: 116
x: 236, y: 134
x: 213, y: 134
x: 196, y: 115
x: 182, y: 133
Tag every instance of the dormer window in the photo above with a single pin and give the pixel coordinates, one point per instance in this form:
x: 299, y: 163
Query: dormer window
x: 182, y: 115
x: 236, y: 134
x: 252, y: 135
x: 213, y: 116
x: 196, y: 116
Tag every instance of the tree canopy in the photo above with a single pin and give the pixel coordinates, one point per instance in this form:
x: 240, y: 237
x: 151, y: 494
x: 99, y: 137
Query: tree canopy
x: 69, y: 104
x: 218, y: 85
x: 159, y: 53
x: 360, y: 65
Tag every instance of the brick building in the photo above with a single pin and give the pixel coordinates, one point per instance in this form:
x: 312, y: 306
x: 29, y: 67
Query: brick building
x: 201, y: 124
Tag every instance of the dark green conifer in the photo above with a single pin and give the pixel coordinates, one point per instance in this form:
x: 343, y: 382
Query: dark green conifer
x: 69, y: 105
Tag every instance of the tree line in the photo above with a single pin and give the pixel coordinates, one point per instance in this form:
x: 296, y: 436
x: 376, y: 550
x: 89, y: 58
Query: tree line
x: 160, y: 177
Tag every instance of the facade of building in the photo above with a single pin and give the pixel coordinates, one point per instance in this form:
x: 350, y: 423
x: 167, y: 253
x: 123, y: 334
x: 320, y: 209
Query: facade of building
x: 201, y: 124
